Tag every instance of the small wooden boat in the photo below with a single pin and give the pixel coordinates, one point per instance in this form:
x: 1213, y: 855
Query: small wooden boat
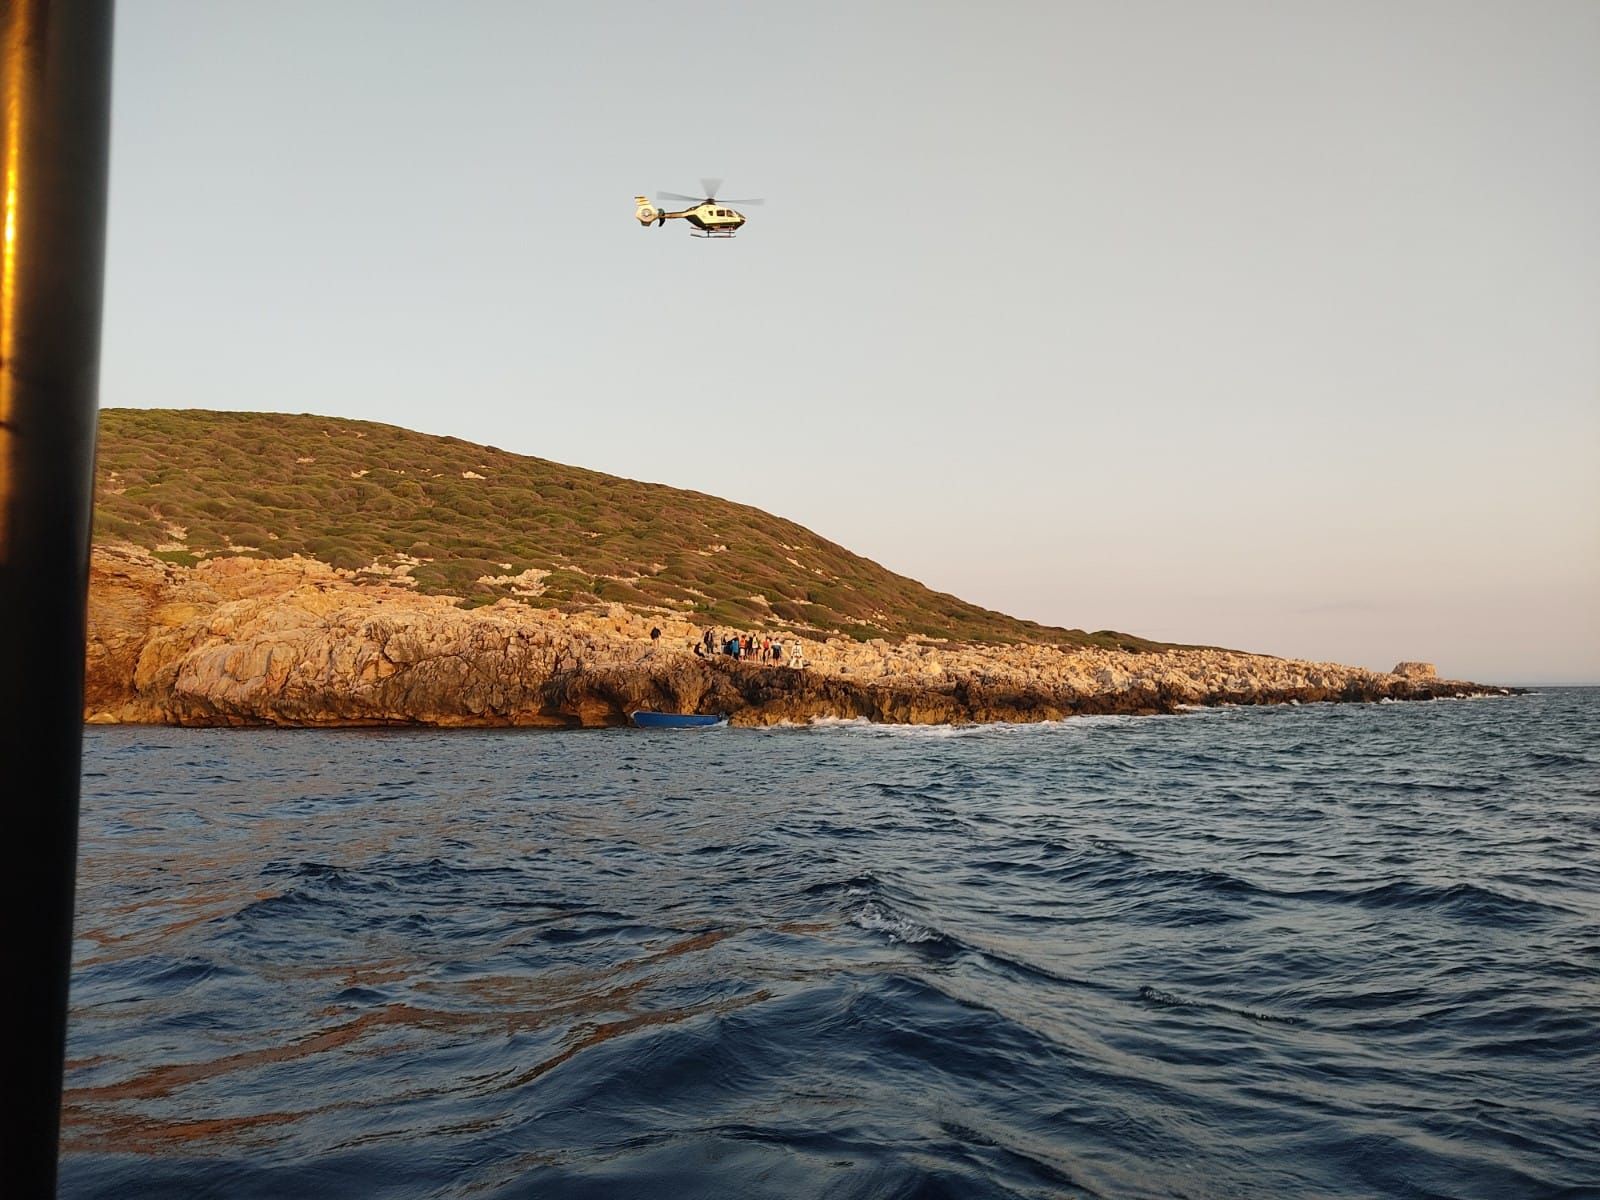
x: 661, y: 720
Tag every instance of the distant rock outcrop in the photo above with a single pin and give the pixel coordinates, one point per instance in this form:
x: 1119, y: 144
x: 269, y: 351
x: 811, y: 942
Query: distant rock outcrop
x: 1415, y: 670
x: 294, y: 642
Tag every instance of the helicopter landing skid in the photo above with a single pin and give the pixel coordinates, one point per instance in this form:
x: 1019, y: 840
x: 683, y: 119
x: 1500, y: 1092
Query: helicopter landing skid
x: 709, y: 233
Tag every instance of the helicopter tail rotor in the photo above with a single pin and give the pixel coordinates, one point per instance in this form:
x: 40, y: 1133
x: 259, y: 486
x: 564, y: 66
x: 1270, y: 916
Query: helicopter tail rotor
x: 645, y: 212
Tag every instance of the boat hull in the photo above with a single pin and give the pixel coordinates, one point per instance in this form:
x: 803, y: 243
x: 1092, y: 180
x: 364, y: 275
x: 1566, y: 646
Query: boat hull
x: 661, y: 720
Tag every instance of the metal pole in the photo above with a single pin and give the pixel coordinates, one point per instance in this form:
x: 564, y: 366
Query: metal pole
x: 56, y: 81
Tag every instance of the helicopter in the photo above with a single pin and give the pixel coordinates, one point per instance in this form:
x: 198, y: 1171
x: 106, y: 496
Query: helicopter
x: 711, y: 218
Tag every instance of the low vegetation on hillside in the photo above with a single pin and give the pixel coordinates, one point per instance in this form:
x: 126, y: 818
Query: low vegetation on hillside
x: 484, y: 524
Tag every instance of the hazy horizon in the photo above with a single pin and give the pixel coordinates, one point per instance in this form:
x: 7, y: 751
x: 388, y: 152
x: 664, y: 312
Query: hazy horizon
x: 1232, y: 325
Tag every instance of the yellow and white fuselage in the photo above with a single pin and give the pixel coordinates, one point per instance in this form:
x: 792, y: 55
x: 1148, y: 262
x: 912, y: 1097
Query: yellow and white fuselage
x: 711, y: 218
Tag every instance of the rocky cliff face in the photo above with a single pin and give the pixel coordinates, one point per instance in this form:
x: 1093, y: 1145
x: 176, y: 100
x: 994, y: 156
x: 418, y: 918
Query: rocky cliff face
x: 239, y: 641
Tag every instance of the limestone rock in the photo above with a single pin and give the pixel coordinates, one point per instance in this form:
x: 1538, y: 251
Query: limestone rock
x: 1415, y: 670
x: 244, y: 641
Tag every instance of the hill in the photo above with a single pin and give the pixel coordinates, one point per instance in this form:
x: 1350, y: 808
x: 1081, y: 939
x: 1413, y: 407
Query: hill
x: 483, y: 524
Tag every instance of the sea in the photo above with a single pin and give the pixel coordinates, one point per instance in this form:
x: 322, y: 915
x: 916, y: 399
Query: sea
x: 1346, y: 950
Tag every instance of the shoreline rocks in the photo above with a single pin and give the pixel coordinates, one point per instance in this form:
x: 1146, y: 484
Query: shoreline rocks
x: 252, y: 642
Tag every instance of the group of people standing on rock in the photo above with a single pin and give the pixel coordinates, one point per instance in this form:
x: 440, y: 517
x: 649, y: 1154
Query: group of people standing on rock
x: 747, y: 647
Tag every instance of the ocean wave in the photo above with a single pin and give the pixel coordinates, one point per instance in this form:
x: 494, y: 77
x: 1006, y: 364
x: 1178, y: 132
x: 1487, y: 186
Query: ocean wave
x: 883, y: 729
x: 1160, y: 998
x: 1559, y: 758
x: 877, y: 918
x: 1461, y: 901
x: 984, y: 729
x: 878, y: 915
x: 1030, y: 960
x: 327, y: 877
x: 854, y: 885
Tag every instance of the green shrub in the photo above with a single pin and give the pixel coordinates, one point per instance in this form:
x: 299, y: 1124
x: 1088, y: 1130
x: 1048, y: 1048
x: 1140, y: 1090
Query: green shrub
x: 231, y: 478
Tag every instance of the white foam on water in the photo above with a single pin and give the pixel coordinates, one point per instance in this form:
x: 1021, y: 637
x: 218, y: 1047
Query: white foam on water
x: 1090, y: 721
x: 977, y: 728
x: 937, y: 731
x: 877, y: 919
x: 891, y: 729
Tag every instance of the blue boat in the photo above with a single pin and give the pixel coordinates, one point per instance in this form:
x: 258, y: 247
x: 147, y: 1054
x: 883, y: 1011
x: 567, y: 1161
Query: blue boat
x: 661, y: 720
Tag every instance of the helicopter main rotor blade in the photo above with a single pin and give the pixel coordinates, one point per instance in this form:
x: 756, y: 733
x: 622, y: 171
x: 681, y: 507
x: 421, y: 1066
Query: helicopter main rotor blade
x: 679, y: 196
x: 711, y: 186
x: 754, y: 200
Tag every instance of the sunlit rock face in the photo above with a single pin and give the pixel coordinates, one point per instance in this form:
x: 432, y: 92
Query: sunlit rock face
x: 240, y: 641
x: 1415, y: 670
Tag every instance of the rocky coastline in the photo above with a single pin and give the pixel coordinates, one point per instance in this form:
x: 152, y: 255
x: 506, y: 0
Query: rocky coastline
x: 296, y: 643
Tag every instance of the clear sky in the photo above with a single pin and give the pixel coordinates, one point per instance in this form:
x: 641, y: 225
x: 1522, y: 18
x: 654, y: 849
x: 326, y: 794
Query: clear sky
x: 1274, y: 325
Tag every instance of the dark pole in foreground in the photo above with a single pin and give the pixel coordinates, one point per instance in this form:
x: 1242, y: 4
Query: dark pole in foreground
x: 55, y: 77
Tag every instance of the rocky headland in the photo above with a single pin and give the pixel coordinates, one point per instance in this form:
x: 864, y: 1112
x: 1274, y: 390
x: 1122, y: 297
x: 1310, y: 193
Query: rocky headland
x: 295, y: 642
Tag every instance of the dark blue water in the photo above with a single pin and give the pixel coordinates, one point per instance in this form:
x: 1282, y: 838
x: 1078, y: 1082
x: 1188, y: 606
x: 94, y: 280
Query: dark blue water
x: 1324, y: 951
